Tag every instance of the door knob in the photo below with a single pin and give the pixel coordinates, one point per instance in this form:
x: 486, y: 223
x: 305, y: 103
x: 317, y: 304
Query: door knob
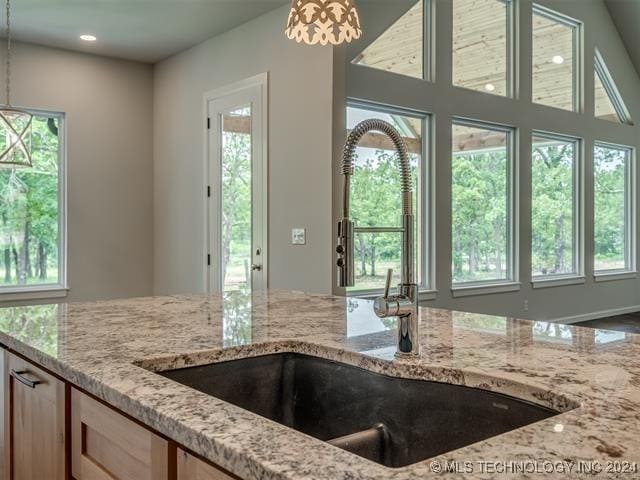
x: 256, y: 267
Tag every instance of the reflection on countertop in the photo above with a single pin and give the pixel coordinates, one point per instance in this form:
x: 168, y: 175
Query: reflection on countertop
x: 112, y: 348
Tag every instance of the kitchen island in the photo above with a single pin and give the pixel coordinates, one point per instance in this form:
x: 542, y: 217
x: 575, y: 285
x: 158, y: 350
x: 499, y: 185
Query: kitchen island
x: 112, y: 350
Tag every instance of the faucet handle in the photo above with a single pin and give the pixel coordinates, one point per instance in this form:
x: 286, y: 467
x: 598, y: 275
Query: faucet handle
x: 387, y: 285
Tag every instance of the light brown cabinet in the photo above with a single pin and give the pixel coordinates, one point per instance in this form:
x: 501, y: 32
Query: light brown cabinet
x: 50, y: 430
x: 108, y: 446
x: 192, y: 468
x: 34, y: 422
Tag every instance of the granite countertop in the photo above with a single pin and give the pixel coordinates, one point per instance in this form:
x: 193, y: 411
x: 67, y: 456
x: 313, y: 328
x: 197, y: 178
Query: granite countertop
x: 110, y: 349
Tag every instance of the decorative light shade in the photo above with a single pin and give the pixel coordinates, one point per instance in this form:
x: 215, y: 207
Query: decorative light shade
x: 15, y: 125
x: 323, y: 21
x: 15, y: 138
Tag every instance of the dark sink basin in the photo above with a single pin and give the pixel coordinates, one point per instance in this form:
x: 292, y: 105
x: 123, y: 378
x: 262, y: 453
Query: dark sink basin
x: 392, y: 421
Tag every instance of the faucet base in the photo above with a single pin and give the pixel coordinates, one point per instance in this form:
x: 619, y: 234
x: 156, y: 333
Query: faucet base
x: 406, y: 356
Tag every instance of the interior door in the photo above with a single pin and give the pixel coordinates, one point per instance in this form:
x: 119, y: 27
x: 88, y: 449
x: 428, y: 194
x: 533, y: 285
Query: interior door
x: 238, y: 194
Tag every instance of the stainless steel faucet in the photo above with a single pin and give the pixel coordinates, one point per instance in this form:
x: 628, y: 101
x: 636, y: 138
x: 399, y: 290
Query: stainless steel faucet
x: 404, y: 304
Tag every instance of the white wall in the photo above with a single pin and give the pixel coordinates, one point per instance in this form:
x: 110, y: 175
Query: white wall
x: 444, y: 101
x: 108, y: 105
x: 300, y: 151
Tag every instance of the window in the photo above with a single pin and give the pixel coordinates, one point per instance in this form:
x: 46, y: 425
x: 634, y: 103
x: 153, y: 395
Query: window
x: 555, y: 218
x: 608, y: 101
x: 555, y: 66
x: 482, y: 203
x: 376, y: 201
x: 614, y: 198
x: 482, y: 45
x: 402, y: 48
x: 32, y: 203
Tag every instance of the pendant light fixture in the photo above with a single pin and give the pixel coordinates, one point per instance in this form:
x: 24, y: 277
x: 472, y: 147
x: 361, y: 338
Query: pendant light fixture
x: 323, y: 22
x: 15, y: 124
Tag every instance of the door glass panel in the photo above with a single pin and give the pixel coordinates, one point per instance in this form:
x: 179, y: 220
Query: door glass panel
x: 236, y: 199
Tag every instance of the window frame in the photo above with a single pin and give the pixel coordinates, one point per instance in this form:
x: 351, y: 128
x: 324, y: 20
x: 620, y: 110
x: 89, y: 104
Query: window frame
x: 577, y: 54
x: 429, y: 40
x: 601, y: 70
x: 425, y: 208
x: 578, y: 275
x: 428, y: 43
x: 446, y: 101
x: 630, y: 268
x: 511, y: 283
x: 512, y: 61
x: 61, y: 288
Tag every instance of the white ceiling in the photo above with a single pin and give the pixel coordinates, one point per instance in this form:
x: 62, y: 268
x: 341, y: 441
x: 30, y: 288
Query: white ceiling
x: 142, y: 30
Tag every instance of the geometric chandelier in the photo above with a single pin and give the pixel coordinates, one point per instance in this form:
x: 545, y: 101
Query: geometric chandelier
x: 15, y: 124
x: 323, y: 22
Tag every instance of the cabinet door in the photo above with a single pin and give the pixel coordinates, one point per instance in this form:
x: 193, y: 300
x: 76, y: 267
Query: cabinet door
x: 4, y: 415
x: 108, y: 446
x: 35, y: 422
x: 192, y: 468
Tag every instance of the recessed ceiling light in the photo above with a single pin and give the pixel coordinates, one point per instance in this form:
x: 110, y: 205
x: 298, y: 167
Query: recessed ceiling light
x: 490, y: 87
x: 558, y: 428
x: 88, y: 38
x: 558, y: 60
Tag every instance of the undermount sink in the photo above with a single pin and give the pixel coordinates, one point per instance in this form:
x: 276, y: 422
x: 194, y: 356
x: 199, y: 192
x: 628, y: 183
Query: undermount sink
x: 393, y: 421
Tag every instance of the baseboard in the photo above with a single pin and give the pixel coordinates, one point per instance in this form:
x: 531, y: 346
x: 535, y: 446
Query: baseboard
x: 595, y: 315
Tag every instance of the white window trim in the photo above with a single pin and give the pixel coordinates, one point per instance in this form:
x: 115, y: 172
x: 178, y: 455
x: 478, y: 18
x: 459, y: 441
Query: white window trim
x: 578, y: 275
x: 429, y: 40
x: 557, y: 281
x: 577, y: 54
x: 423, y: 295
x: 426, y: 221
x: 613, y: 275
x: 513, y: 217
x: 630, y: 218
x: 602, y: 71
x: 39, y: 292
x: 61, y: 288
x: 484, y: 288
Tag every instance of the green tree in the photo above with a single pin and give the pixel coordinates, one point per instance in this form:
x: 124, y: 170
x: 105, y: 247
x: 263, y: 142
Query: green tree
x: 479, y: 215
x: 29, y: 211
x: 376, y: 201
x: 610, y: 173
x: 236, y: 207
x: 552, y: 221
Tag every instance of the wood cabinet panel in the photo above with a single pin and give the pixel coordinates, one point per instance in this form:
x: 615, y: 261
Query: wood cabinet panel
x: 35, y: 429
x: 108, y: 446
x: 192, y: 468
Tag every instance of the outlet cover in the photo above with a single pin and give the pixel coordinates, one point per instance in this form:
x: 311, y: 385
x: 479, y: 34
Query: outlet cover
x: 298, y: 236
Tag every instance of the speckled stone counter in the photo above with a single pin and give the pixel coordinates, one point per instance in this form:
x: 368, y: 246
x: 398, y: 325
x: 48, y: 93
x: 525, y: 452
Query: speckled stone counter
x: 111, y: 349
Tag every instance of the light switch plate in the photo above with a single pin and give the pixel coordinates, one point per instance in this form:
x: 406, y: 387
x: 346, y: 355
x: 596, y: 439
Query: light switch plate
x: 298, y: 236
